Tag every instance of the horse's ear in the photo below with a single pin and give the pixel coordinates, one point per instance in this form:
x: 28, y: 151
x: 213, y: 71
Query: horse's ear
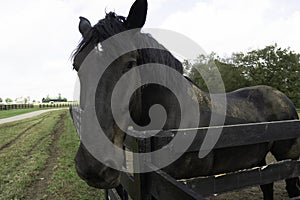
x: 137, y: 14
x: 84, y: 26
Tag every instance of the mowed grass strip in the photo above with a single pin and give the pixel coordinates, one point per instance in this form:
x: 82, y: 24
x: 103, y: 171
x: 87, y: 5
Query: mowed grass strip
x: 65, y: 183
x: 24, y: 159
x: 14, y: 112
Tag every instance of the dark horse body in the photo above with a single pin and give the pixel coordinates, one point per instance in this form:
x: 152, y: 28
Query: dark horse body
x: 253, y: 104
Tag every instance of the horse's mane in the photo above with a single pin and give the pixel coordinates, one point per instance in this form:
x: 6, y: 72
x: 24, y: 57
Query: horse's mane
x: 113, y: 24
x: 157, y: 55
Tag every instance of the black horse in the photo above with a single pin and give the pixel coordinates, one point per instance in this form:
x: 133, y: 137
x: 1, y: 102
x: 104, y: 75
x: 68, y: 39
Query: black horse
x: 253, y: 104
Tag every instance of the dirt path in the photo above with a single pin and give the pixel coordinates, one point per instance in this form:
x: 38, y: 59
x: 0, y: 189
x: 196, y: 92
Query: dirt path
x: 27, y: 115
x: 38, y: 189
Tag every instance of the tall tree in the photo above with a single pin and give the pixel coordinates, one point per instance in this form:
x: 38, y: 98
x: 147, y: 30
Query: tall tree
x: 8, y: 100
x: 207, y: 70
x: 273, y: 66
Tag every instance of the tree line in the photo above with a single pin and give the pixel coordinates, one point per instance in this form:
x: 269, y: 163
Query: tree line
x: 7, y: 100
x: 273, y: 66
x: 57, y: 99
x: 44, y: 100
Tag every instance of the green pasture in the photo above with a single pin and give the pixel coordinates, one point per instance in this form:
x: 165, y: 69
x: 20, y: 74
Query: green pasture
x: 37, y: 159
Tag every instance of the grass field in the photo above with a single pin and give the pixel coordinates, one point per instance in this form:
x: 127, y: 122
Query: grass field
x: 37, y: 160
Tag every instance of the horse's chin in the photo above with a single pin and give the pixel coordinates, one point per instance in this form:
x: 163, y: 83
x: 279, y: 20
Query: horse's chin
x: 104, y: 185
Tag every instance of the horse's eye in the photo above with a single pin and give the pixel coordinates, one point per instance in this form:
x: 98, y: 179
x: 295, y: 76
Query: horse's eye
x: 131, y: 64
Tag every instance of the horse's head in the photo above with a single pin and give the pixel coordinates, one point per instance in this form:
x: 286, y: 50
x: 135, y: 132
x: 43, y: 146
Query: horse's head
x: 94, y: 172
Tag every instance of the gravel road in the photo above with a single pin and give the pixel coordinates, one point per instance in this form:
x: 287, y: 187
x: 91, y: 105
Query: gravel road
x: 27, y: 115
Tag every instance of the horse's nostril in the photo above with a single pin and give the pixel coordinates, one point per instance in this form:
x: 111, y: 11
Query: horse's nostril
x: 111, y: 164
x: 112, y: 172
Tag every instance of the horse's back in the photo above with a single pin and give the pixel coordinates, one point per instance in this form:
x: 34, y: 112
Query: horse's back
x: 269, y: 103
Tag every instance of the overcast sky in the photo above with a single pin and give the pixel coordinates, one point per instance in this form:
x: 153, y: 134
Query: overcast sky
x: 38, y: 36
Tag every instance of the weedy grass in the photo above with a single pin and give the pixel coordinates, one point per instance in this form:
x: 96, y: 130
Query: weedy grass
x: 65, y: 183
x: 25, y: 156
x: 25, y: 153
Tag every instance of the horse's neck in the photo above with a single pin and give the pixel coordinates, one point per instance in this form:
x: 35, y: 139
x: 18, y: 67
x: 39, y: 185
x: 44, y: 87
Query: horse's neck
x: 155, y: 94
